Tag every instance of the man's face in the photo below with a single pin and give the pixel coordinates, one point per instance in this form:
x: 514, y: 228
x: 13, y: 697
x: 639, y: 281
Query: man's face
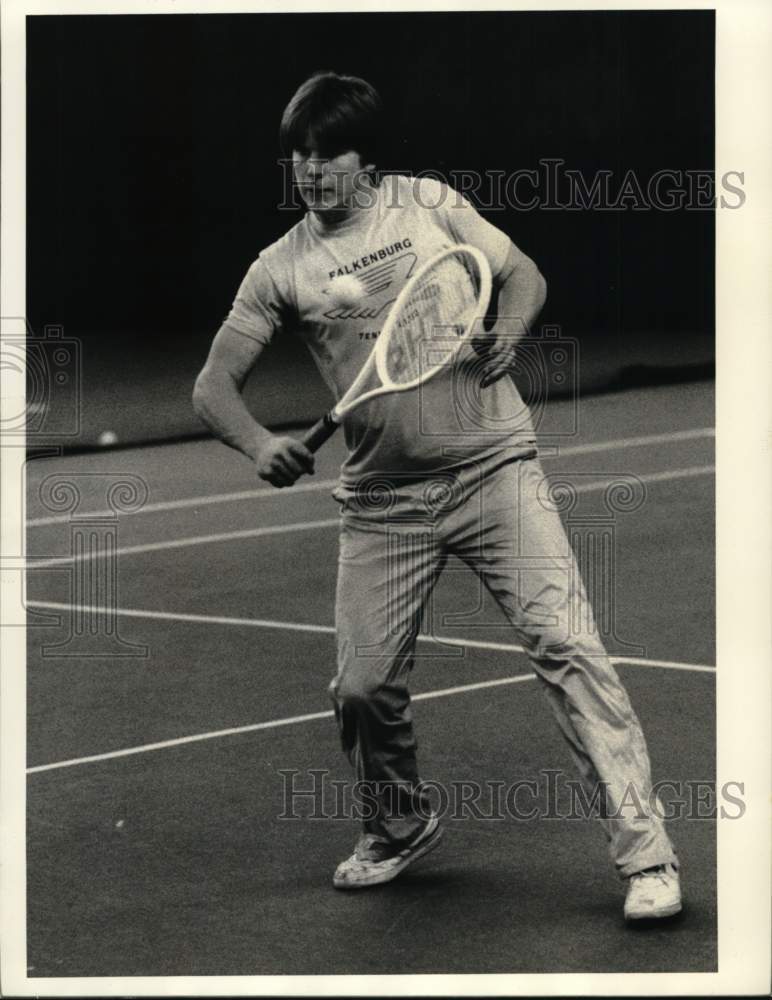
x: 329, y: 184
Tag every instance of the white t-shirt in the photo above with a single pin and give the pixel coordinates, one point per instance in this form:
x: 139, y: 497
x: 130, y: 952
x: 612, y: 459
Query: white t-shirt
x: 443, y: 424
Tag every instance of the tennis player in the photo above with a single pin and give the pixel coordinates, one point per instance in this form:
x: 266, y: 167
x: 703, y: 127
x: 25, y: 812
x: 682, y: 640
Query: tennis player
x: 449, y: 468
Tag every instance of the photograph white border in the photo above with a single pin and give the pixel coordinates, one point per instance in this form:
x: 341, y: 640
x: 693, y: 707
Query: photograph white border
x: 744, y: 517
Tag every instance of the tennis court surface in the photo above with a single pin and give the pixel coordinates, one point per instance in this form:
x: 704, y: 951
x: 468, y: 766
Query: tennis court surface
x: 155, y: 794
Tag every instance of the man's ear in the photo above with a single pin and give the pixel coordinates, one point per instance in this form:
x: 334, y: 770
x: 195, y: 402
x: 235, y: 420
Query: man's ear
x: 368, y: 170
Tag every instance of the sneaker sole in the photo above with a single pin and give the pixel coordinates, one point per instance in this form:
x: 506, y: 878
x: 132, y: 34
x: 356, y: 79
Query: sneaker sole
x: 428, y: 845
x: 666, y: 911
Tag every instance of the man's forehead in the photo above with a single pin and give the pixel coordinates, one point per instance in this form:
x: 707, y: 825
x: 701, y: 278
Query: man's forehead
x: 312, y: 150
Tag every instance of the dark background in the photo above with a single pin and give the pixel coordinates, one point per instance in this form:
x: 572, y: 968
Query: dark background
x: 153, y: 180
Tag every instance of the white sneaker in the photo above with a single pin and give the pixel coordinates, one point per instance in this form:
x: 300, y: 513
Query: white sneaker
x: 653, y: 893
x: 376, y: 860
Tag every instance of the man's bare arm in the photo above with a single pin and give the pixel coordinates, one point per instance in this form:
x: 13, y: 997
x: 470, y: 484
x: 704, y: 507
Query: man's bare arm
x: 522, y: 294
x: 218, y: 400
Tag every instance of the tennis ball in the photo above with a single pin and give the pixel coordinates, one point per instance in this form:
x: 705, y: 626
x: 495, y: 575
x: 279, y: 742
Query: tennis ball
x: 106, y: 438
x: 346, y: 290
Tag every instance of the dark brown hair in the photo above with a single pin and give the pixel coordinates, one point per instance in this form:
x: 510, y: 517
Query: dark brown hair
x: 332, y: 114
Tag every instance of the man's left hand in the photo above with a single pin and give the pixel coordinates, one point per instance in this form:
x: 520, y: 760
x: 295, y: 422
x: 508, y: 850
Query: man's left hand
x: 498, y: 348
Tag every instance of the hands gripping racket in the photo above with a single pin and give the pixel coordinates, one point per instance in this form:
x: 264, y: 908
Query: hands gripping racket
x: 433, y: 316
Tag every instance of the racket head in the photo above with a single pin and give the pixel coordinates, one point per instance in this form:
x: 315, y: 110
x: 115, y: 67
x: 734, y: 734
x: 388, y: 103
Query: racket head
x: 432, y: 317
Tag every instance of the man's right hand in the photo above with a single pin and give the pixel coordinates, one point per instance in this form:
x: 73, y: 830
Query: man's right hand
x: 282, y: 460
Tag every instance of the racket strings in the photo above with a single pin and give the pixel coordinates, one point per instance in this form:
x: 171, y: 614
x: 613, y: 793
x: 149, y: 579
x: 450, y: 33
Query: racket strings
x: 438, y: 310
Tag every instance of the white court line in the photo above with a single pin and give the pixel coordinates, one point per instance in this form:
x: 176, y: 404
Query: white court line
x: 287, y: 626
x: 182, y: 616
x: 280, y: 529
x: 180, y: 543
x: 313, y: 716
x: 162, y: 505
x: 636, y: 442
x: 255, y: 727
x: 328, y: 484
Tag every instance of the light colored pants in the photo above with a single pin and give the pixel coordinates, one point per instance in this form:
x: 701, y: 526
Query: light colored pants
x: 393, y: 546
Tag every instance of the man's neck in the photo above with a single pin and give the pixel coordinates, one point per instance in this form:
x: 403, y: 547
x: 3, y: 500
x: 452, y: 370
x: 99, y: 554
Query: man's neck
x: 362, y: 203
x: 333, y: 218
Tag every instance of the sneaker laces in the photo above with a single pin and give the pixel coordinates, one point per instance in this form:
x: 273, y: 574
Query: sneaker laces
x: 657, y: 871
x: 371, y: 847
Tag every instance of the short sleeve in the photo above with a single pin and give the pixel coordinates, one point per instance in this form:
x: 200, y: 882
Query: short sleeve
x: 464, y: 224
x: 259, y: 309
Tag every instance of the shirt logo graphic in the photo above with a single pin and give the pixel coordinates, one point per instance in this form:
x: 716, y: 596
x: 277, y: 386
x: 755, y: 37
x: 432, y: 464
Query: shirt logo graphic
x: 376, y: 280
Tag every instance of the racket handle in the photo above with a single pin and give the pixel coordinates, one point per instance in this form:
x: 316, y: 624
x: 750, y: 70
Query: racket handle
x: 320, y: 432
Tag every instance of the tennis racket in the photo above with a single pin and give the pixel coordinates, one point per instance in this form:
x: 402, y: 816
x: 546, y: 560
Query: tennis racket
x: 432, y: 318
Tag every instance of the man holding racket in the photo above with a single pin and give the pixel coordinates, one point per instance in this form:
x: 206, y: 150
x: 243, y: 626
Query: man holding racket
x: 449, y: 467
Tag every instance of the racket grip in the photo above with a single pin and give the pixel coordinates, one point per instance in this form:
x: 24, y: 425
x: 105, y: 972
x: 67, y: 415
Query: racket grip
x: 320, y: 432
